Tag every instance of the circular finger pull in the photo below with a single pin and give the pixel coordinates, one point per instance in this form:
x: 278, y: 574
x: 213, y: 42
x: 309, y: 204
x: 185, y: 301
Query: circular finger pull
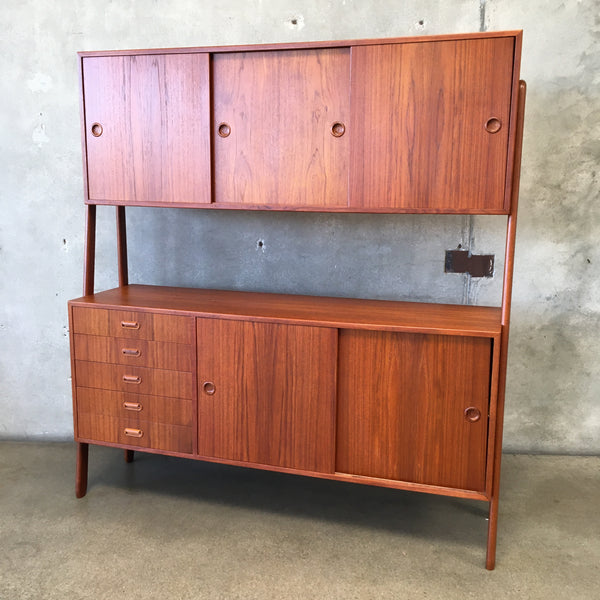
x: 472, y: 414
x: 209, y: 388
x: 97, y: 130
x: 338, y: 129
x: 224, y: 130
x: 493, y: 125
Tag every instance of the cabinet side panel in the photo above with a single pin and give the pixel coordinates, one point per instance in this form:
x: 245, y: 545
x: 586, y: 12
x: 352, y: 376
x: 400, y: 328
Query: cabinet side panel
x: 401, y: 407
x: 280, y: 108
x: 154, y: 141
x: 419, y: 114
x: 266, y: 393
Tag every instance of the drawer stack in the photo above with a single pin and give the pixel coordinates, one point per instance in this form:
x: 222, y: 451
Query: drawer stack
x: 134, y: 378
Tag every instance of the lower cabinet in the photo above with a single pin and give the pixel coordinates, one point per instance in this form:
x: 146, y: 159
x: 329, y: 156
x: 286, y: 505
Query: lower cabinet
x: 413, y: 407
x: 393, y: 407
x: 266, y: 393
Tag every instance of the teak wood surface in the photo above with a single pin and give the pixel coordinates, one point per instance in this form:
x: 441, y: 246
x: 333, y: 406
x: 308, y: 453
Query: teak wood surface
x: 132, y: 432
x: 266, y: 393
x: 360, y: 126
x: 134, y: 325
x: 418, y: 125
x: 280, y: 108
x: 401, y: 407
x: 154, y: 115
x: 449, y: 319
x: 422, y: 125
x: 140, y: 353
x: 140, y: 380
x: 132, y: 406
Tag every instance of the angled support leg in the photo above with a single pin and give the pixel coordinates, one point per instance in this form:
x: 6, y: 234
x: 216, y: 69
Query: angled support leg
x: 81, y: 470
x: 123, y: 272
x: 490, y: 559
x: 122, y: 246
x: 511, y: 232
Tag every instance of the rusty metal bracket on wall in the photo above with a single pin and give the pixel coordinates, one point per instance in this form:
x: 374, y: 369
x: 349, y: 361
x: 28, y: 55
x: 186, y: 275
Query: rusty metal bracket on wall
x: 462, y: 261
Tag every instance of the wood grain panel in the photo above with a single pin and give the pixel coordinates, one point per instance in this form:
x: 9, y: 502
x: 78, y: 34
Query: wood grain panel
x: 274, y: 393
x: 133, y: 325
x: 92, y: 321
x: 155, y: 118
x: 141, y: 353
x: 137, y: 380
x: 173, y: 438
x: 152, y: 326
x: 453, y: 319
x: 418, y: 118
x: 308, y: 45
x: 401, y: 404
x: 280, y: 107
x: 135, y: 407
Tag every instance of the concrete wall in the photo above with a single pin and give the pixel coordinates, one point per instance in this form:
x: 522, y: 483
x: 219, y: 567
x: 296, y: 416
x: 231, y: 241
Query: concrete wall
x: 553, y: 392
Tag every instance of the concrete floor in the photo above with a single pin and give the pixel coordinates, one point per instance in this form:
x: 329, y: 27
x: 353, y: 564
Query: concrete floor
x: 167, y: 528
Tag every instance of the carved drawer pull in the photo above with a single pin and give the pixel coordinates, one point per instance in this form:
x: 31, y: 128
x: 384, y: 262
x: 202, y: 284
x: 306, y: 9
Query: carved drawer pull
x: 136, y: 433
x: 132, y: 379
x: 130, y: 325
x: 135, y: 406
x: 472, y: 414
x: 130, y: 351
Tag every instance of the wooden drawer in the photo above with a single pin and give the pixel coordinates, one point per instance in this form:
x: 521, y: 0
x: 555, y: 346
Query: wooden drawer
x: 137, y: 380
x: 141, y: 353
x: 101, y: 428
x: 135, y: 407
x: 133, y: 324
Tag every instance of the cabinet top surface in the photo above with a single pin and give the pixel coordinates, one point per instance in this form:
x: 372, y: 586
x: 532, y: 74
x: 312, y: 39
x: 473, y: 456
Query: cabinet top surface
x: 447, y: 319
x: 307, y: 45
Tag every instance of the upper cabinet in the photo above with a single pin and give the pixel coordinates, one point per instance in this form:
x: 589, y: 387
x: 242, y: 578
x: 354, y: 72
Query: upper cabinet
x: 430, y: 125
x: 147, y: 128
x: 280, y: 120
x: 407, y: 125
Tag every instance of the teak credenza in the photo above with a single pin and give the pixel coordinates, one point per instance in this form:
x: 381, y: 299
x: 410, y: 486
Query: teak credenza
x: 397, y: 394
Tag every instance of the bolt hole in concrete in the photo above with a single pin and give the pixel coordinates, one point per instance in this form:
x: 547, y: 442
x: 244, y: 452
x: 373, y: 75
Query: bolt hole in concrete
x: 296, y: 22
x: 260, y: 245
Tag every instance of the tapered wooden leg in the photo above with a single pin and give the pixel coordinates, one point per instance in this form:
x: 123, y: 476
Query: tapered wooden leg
x: 81, y: 470
x: 129, y: 456
x: 490, y: 559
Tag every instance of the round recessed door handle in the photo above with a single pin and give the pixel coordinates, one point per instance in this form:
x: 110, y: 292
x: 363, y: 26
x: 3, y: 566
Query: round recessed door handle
x: 493, y: 125
x: 224, y: 130
x: 97, y: 130
x: 209, y: 388
x: 472, y: 414
x: 338, y: 129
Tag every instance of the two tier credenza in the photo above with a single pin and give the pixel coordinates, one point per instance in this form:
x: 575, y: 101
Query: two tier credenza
x: 398, y: 394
